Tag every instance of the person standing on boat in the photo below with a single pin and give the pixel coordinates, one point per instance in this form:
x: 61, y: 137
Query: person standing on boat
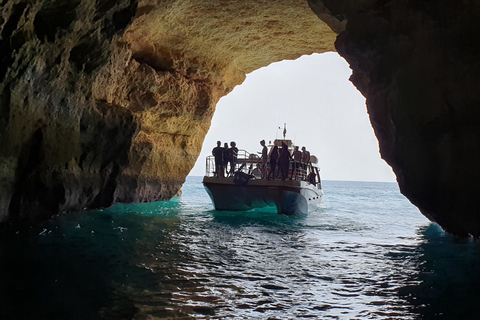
x: 233, y: 154
x: 226, y: 157
x: 217, y: 152
x: 264, y: 159
x: 273, y: 161
x: 297, y: 159
x: 305, y: 158
x: 284, y: 161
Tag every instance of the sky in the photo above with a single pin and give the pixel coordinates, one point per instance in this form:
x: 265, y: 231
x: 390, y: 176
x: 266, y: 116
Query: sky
x: 322, y: 111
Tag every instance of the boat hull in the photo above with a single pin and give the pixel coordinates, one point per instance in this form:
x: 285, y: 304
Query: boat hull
x: 289, y: 197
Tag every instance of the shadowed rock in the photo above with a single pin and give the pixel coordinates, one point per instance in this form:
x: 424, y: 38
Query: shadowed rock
x: 417, y: 64
x: 109, y: 101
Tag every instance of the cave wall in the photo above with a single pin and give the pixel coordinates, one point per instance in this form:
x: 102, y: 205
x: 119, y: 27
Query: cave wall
x: 416, y: 62
x: 61, y: 147
x: 106, y: 101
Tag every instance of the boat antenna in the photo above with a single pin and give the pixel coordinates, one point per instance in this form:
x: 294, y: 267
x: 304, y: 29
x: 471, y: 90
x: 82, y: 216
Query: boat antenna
x: 278, y: 125
x: 284, y: 130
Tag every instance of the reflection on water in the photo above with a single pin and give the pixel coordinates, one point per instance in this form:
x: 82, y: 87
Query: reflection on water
x: 448, y: 277
x: 351, y: 259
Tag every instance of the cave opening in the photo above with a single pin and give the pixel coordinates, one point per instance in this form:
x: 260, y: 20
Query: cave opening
x: 320, y: 107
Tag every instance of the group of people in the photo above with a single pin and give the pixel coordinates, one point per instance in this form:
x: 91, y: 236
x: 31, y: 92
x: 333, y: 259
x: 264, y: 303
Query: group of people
x: 223, y: 156
x: 279, y: 158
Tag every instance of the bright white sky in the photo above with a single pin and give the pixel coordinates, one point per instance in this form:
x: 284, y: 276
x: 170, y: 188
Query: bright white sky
x: 322, y: 109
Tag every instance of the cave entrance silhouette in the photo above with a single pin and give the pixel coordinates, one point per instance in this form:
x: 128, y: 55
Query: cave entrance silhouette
x: 321, y: 108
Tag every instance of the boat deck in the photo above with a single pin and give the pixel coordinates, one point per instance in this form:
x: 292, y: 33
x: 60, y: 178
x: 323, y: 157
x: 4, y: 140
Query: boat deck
x: 258, y: 182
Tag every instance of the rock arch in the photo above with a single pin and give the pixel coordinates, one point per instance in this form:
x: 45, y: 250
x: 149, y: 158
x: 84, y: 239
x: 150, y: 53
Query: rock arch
x: 105, y: 101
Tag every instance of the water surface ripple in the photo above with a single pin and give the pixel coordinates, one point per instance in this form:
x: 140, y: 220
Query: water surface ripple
x: 366, y: 253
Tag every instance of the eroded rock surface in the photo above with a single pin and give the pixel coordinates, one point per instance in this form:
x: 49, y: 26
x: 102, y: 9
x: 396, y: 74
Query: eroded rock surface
x: 107, y: 101
x: 417, y: 64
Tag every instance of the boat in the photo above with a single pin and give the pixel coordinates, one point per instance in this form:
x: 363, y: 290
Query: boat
x: 245, y: 189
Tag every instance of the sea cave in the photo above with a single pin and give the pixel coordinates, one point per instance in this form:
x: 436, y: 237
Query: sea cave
x: 109, y: 101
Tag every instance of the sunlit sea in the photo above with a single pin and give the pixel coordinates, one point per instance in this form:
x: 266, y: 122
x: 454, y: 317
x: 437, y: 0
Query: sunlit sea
x: 365, y: 253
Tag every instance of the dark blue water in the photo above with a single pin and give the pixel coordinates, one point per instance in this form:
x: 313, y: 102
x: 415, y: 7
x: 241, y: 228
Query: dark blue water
x: 366, y: 253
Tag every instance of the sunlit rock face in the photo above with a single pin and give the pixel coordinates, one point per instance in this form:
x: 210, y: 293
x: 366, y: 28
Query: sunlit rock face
x: 417, y: 63
x: 107, y: 101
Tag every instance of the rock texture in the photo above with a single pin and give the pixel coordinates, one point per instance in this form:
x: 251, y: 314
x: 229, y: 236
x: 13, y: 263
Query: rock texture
x: 106, y: 101
x: 417, y: 64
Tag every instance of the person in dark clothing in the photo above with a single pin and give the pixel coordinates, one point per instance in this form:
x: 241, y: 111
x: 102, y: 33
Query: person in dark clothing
x: 273, y: 162
x: 311, y: 178
x: 226, y: 157
x: 284, y: 161
x: 217, y: 152
x: 233, y: 154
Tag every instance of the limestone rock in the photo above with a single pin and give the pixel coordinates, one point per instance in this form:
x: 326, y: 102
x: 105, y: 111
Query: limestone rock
x: 107, y: 101
x: 417, y: 64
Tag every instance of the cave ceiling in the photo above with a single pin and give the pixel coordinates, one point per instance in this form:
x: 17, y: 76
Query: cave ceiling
x: 109, y: 101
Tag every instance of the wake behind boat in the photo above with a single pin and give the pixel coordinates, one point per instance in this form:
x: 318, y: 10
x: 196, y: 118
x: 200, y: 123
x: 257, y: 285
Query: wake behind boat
x: 249, y: 184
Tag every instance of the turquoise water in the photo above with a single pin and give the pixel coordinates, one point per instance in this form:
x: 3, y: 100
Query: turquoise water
x: 366, y: 253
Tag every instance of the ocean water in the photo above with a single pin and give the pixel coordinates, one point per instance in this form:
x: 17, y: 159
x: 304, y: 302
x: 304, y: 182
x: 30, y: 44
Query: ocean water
x: 365, y: 253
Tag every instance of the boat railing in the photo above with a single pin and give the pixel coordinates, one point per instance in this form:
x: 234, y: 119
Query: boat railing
x: 243, y: 157
x: 247, y: 162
